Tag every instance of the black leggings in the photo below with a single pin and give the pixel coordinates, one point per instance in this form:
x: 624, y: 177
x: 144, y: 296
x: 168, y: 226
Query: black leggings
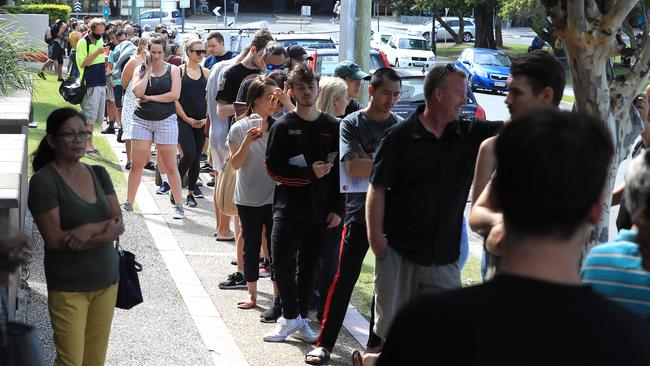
x: 191, y: 141
x: 303, y: 241
x: 252, y: 219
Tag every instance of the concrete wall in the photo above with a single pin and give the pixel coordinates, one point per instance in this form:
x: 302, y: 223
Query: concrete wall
x: 32, y: 25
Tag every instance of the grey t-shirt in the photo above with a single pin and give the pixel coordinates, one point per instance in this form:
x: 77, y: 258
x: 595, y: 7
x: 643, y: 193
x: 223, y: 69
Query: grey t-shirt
x: 361, y: 133
x: 254, y: 185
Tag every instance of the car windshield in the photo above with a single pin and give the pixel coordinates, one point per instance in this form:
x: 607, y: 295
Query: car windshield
x: 492, y: 59
x: 414, y: 44
x: 328, y: 63
x: 304, y: 42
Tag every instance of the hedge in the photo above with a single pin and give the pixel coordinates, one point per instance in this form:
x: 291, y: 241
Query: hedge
x: 54, y: 11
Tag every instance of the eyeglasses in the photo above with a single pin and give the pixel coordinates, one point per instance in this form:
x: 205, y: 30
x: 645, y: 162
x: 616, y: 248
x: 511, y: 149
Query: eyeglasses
x: 199, y: 52
x: 272, y: 67
x: 447, y: 69
x: 70, y: 136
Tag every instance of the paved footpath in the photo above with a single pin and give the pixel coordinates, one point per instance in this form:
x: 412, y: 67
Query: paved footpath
x: 185, y: 318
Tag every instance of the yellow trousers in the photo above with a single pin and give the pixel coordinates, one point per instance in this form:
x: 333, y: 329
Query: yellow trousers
x: 81, y: 322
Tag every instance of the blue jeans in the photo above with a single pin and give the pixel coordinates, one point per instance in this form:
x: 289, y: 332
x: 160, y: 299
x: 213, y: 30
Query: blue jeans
x: 74, y: 71
x: 464, y: 246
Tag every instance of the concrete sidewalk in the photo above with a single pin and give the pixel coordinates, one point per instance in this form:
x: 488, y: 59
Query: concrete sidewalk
x: 185, y: 318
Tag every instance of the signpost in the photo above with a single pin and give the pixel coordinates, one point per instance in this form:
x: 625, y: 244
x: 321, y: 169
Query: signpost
x: 216, y: 12
x: 77, y: 9
x: 236, y: 11
x: 225, y: 15
x: 305, y: 12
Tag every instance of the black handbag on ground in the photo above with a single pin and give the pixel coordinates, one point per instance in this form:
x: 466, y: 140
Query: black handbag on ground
x: 129, y: 293
x: 19, y: 345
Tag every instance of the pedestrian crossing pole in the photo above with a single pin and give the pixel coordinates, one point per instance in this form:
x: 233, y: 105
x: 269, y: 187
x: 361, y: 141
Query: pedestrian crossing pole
x: 362, y: 40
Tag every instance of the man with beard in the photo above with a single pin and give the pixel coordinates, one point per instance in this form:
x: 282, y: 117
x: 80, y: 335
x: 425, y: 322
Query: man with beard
x: 301, y: 156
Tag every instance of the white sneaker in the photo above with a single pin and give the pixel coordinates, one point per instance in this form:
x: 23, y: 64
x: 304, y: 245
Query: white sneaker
x: 305, y: 333
x: 284, y: 328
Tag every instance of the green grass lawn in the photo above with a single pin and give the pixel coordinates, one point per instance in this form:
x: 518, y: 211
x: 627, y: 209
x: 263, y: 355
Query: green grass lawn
x: 362, y: 294
x: 46, y: 99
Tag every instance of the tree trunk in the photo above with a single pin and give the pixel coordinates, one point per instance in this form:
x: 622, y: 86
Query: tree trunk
x: 484, y: 27
x: 446, y: 26
x: 497, y: 32
x: 461, y: 28
x: 589, y: 35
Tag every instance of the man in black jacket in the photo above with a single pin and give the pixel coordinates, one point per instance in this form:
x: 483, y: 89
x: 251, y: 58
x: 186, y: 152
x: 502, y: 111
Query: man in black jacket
x: 301, y: 156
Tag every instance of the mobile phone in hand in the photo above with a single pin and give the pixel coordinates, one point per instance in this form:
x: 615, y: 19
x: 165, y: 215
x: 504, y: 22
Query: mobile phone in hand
x: 331, y: 157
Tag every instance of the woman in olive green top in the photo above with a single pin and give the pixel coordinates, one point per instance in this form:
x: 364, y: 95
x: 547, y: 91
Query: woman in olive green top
x: 76, y: 210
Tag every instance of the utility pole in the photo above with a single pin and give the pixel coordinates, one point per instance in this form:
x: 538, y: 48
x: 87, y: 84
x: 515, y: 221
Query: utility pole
x: 362, y: 41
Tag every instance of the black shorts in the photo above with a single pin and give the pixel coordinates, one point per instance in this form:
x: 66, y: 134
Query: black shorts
x: 56, y: 52
x: 118, y: 92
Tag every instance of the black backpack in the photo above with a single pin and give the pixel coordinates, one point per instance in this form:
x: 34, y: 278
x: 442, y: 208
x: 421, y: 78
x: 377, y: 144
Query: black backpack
x: 70, y: 91
x: 53, y: 32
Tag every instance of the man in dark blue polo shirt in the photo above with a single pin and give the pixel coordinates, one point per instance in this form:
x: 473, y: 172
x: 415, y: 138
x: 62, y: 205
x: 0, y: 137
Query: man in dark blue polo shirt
x: 419, y: 184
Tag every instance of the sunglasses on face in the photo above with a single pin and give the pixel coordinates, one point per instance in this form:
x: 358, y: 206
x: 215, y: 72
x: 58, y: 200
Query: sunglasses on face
x: 272, y: 67
x: 199, y: 52
x: 70, y: 136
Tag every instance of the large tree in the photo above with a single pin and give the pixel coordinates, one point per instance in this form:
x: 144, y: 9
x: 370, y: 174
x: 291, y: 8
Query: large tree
x: 588, y: 29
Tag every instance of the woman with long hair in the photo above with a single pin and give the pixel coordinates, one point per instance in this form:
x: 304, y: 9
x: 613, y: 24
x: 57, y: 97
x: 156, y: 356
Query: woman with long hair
x: 76, y: 210
x: 129, y: 100
x: 254, y: 189
x: 191, y: 109
x: 157, y: 86
x: 333, y: 97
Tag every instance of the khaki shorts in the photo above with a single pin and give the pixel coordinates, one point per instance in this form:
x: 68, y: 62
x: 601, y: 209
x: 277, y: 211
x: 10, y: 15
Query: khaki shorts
x: 398, y: 280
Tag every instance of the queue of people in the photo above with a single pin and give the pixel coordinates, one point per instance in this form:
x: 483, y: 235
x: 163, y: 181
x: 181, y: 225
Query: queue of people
x: 293, y: 139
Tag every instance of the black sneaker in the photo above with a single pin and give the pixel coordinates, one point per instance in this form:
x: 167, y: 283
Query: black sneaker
x: 206, y: 168
x: 150, y: 166
x: 203, y: 157
x: 198, y: 193
x: 119, y: 135
x: 271, y: 314
x: 41, y: 75
x: 191, y: 201
x: 127, y: 166
x: 234, y: 281
x: 109, y: 131
x: 211, y: 182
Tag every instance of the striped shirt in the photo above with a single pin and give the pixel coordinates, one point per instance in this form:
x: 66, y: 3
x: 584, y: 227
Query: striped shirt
x: 614, y: 270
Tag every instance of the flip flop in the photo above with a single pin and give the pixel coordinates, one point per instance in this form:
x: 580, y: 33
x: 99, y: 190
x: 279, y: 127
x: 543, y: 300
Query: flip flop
x: 321, y: 353
x: 246, y: 304
x: 357, y: 358
x: 228, y: 239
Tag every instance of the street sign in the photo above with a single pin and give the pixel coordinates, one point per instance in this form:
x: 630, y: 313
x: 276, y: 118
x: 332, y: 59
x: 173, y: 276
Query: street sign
x: 305, y: 11
x: 106, y: 2
x: 185, y: 4
x: 77, y: 7
x: 216, y: 11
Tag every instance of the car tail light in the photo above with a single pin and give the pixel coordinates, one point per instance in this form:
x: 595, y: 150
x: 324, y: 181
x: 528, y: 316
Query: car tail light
x: 384, y: 58
x: 480, y: 113
x: 172, y: 21
x: 313, y: 63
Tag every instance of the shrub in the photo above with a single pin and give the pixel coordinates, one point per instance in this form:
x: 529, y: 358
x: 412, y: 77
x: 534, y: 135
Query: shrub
x: 14, y: 75
x: 54, y: 11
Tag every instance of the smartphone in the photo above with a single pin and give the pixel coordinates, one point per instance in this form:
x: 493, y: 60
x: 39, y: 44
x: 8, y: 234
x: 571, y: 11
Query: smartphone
x: 240, y: 108
x: 331, y: 157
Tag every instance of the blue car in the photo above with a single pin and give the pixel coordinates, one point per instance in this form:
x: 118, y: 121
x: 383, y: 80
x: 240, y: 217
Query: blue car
x: 486, y: 69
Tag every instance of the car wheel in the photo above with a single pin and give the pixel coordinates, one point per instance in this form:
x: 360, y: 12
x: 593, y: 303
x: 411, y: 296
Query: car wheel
x: 470, y: 80
x: 467, y: 37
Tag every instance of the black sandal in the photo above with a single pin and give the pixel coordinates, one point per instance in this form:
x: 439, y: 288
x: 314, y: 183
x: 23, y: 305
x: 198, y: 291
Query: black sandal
x: 357, y: 359
x: 321, y: 353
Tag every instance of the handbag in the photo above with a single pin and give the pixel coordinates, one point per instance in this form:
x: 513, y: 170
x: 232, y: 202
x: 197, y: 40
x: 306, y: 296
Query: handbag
x: 129, y: 293
x: 74, y: 91
x: 19, y: 345
x: 225, y: 186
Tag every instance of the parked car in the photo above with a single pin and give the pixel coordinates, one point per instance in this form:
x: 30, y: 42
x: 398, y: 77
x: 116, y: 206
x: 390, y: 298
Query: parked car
x: 410, y: 51
x: 412, y: 96
x: 303, y: 40
x: 380, y: 39
x: 324, y: 60
x: 169, y: 18
x: 485, y: 69
x: 424, y: 30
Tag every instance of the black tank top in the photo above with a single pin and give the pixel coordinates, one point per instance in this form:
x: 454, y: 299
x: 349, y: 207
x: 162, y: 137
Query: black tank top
x: 154, y: 111
x: 192, y: 97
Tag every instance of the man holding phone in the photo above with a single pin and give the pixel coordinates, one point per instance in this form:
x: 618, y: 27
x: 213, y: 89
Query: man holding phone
x: 306, y: 202
x: 92, y: 69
